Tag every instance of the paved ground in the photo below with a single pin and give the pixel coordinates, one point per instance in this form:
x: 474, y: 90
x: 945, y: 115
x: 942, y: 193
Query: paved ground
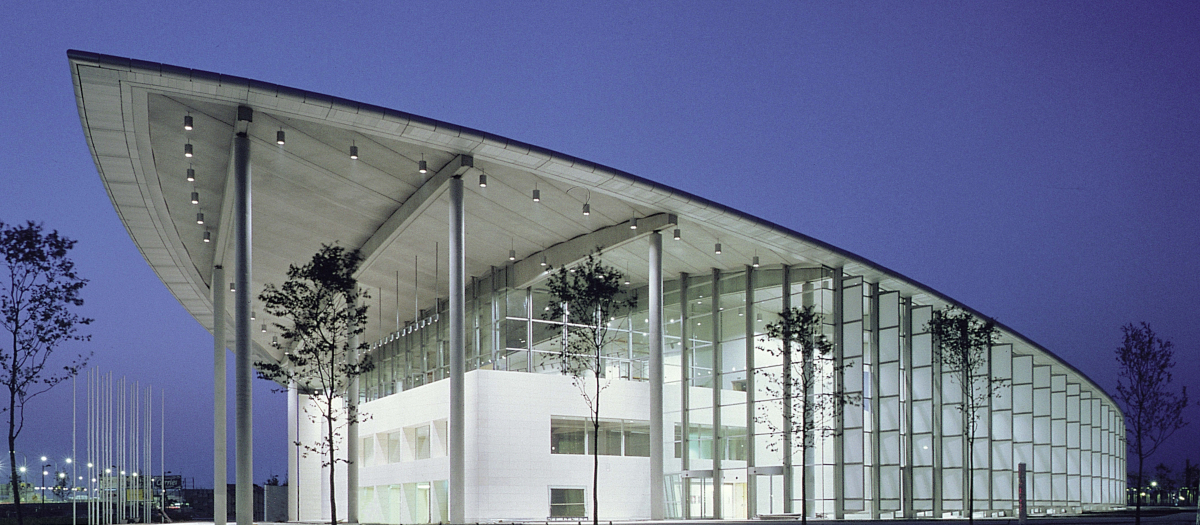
x: 1185, y: 517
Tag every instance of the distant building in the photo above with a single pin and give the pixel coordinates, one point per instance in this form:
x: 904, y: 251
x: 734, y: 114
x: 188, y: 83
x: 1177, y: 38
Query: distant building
x: 680, y: 436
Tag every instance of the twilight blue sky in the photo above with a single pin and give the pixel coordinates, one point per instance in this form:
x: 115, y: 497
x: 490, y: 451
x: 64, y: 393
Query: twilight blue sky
x: 1038, y: 161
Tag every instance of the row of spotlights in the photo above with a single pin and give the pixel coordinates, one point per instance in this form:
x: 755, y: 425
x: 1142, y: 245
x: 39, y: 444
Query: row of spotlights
x: 422, y: 167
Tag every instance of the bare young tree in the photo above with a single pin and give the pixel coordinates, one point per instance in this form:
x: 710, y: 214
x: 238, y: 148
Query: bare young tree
x: 585, y: 298
x: 1153, y: 411
x: 322, y: 314
x: 41, y: 291
x: 811, y: 401
x: 963, y: 344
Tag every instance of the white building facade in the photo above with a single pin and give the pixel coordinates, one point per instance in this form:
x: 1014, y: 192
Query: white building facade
x: 470, y: 418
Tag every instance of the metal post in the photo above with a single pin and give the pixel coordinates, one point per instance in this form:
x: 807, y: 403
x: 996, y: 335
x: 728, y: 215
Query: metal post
x: 220, y: 455
x: 243, y: 371
x: 715, y: 313
x: 788, y: 472
x: 293, y: 456
x: 74, y: 457
x: 1022, y: 502
x: 457, y: 335
x: 352, y: 443
x: 751, y: 478
x: 685, y: 383
x: 657, y: 506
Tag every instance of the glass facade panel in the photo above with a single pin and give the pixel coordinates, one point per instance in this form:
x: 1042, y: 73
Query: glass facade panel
x: 903, y: 435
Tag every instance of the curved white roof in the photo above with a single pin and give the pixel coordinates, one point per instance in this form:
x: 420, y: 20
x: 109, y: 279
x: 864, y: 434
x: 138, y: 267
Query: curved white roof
x: 308, y: 192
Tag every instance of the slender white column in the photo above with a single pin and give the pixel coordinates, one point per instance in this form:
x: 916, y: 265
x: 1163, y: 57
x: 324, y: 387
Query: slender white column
x: 220, y: 455
x: 789, y: 493
x: 685, y: 383
x: 293, y: 409
x: 241, y: 365
x: 352, y: 442
x: 657, y: 505
x: 715, y: 313
x: 751, y: 461
x: 457, y: 337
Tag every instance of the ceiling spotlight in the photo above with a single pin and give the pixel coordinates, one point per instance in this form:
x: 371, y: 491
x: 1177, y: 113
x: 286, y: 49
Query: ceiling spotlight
x: 353, y: 152
x: 512, y: 255
x: 633, y: 223
x: 200, y: 218
x: 626, y: 280
x: 717, y: 249
x: 232, y: 287
x: 422, y: 167
x: 587, y: 209
x: 195, y: 197
x: 253, y: 315
x: 537, y: 195
x: 191, y: 175
x: 207, y: 236
x: 544, y: 260
x: 264, y: 328
x: 187, y: 122
x: 275, y: 341
x: 482, y: 180
x: 279, y: 137
x: 187, y: 150
x: 755, y: 263
x: 676, y: 236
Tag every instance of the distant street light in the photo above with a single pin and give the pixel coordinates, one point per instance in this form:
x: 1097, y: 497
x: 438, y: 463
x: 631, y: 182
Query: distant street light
x: 44, y: 472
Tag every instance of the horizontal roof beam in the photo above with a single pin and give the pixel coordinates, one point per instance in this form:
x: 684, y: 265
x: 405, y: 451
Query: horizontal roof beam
x: 417, y: 203
x: 530, y: 270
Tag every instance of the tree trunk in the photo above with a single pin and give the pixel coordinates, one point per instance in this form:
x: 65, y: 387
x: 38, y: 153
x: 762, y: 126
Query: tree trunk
x: 803, y: 477
x: 596, y: 455
x: 12, y: 436
x: 332, y: 467
x: 1137, y: 513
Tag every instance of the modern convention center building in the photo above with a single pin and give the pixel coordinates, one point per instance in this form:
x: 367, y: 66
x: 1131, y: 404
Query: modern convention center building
x: 472, y: 420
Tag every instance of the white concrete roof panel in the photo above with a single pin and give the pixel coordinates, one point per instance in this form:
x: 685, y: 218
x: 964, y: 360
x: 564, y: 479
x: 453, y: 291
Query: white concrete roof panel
x: 103, y: 106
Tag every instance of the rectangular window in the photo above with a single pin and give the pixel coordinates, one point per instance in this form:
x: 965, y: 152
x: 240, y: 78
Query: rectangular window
x: 637, y: 439
x: 567, y: 503
x: 567, y: 436
x: 609, y: 437
x: 395, y: 451
x: 418, y: 441
x: 618, y: 437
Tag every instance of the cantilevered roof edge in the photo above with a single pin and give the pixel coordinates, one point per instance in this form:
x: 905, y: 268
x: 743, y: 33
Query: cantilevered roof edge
x: 578, y: 164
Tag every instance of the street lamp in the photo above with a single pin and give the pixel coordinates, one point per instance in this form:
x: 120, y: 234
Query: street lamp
x: 44, y: 467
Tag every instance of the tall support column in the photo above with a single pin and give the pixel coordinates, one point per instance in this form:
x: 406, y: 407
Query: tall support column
x: 715, y: 313
x: 875, y: 436
x: 657, y: 505
x: 751, y: 476
x: 685, y: 383
x: 220, y: 456
x: 293, y: 409
x: 352, y: 442
x: 242, y: 368
x: 788, y: 489
x: 457, y: 337
x: 839, y: 347
x: 906, y: 410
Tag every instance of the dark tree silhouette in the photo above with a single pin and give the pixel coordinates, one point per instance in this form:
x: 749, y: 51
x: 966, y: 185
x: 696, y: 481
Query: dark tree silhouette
x: 962, y: 344
x: 41, y: 291
x: 320, y: 306
x: 810, y: 402
x: 1152, y: 410
x: 584, y: 298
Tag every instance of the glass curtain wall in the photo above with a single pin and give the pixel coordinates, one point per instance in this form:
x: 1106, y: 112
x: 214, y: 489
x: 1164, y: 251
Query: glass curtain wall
x: 898, y: 453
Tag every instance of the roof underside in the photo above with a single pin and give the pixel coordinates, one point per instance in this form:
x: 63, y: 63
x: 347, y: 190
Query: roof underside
x: 309, y: 192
